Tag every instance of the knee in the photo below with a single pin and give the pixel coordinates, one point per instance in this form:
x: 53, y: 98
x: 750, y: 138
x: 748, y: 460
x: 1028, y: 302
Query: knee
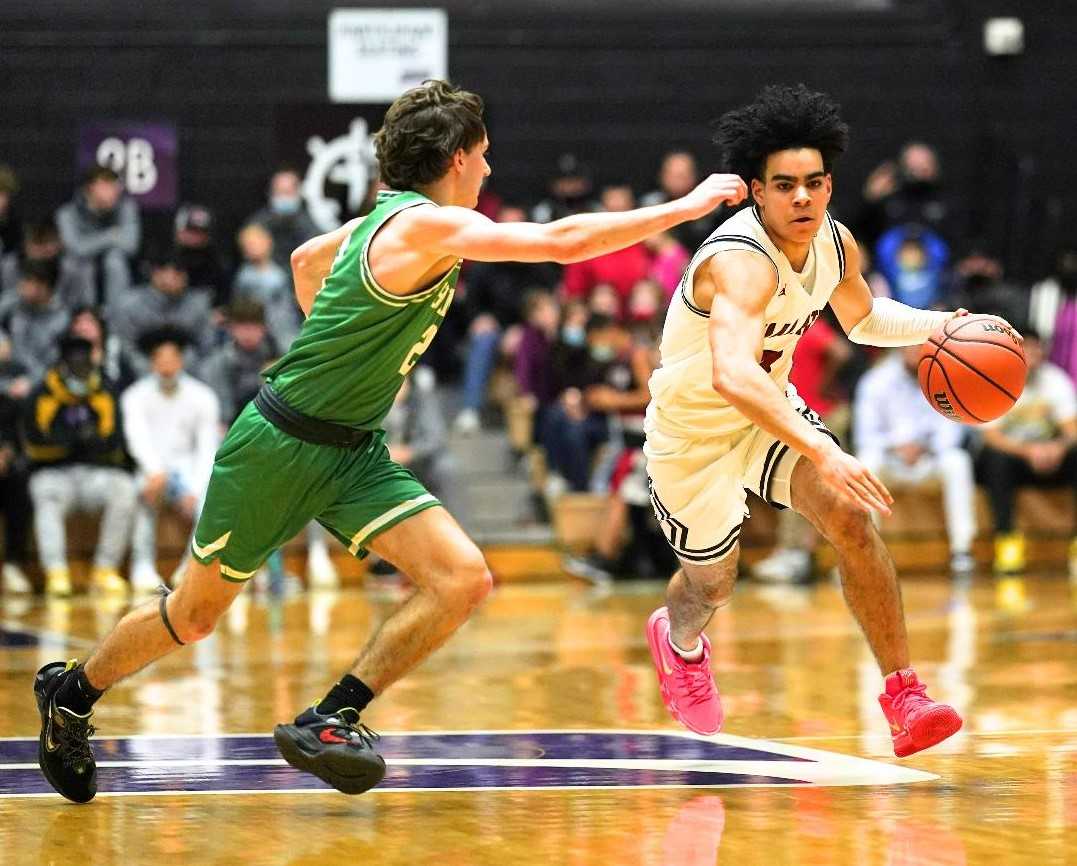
x: 192, y: 621
x: 847, y: 525
x: 466, y: 583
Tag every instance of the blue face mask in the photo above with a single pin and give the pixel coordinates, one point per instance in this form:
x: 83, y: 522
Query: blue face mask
x: 602, y: 353
x: 573, y: 336
x: 284, y: 204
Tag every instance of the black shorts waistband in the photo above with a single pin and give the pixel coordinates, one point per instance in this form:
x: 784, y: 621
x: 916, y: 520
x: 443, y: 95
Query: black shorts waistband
x: 304, y: 427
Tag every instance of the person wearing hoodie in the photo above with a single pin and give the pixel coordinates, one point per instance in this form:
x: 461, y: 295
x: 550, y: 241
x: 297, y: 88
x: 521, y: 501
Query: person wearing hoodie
x: 166, y: 300
x: 73, y: 437
x: 35, y: 321
x: 100, y: 227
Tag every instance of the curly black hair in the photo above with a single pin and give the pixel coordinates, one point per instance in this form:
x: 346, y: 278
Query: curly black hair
x: 423, y: 128
x: 781, y: 118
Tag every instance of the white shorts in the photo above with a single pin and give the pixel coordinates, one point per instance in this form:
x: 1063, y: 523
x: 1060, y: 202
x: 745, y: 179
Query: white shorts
x: 699, y: 486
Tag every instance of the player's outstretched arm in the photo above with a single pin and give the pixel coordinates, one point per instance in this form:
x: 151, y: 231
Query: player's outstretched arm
x: 312, y: 261
x: 875, y: 321
x: 465, y: 234
x: 737, y: 286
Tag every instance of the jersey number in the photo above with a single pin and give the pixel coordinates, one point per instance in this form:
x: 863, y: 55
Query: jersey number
x: 417, y: 350
x: 768, y: 359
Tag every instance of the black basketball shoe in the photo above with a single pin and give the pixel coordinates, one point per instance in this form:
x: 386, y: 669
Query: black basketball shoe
x: 335, y: 747
x: 63, y: 749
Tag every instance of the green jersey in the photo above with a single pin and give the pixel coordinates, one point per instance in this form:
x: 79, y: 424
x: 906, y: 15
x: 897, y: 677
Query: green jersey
x: 360, y: 342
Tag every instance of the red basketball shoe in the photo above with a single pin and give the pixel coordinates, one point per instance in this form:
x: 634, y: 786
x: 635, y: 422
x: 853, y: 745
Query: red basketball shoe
x: 916, y: 721
x: 688, y: 688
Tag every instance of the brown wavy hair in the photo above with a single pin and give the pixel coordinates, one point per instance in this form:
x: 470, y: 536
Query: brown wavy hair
x: 423, y: 128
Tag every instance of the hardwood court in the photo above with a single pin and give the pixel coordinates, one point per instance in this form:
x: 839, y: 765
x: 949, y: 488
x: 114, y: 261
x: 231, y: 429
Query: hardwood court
x: 486, y: 719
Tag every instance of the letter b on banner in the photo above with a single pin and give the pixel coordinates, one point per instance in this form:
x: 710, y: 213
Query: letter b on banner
x: 133, y: 161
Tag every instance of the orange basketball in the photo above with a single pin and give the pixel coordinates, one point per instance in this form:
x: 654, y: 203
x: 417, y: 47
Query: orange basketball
x: 972, y: 369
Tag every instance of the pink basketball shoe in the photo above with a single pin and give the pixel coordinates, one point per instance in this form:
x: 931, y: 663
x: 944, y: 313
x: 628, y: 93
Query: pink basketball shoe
x: 916, y: 721
x: 688, y: 688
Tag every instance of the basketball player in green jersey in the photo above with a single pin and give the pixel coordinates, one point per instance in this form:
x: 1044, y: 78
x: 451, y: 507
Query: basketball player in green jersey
x: 310, y: 445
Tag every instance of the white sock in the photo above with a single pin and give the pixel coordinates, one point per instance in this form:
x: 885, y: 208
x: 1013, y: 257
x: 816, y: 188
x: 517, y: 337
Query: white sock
x: 692, y: 655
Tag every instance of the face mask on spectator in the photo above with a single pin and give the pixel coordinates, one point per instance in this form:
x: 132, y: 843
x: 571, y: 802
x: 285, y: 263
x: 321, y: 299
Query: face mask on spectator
x: 284, y: 204
x: 602, y: 353
x: 573, y: 335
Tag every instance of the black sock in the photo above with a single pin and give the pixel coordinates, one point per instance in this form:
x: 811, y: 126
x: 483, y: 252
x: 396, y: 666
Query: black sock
x: 349, y: 692
x: 75, y: 692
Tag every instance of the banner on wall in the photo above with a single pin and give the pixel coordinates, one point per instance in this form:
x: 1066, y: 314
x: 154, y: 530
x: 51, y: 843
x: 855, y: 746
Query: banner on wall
x: 331, y: 147
x: 377, y: 54
x: 142, y: 153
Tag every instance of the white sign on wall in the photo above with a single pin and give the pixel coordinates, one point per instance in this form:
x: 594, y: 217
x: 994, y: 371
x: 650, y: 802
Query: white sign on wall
x: 377, y: 54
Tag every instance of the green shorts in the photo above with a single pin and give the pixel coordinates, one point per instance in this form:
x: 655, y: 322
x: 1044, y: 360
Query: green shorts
x: 267, y: 485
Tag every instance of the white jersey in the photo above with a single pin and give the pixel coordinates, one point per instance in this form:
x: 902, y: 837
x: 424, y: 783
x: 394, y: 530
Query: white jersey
x: 683, y: 400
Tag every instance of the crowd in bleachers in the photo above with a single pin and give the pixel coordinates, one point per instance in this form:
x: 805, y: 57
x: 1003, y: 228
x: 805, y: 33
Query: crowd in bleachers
x: 123, y: 358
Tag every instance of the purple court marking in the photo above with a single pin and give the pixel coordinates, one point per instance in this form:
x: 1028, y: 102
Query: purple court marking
x: 124, y: 780
x: 552, y: 746
x: 466, y: 760
x: 13, y: 639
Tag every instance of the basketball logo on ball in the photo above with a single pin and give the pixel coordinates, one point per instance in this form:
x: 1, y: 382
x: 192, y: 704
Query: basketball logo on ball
x: 973, y: 369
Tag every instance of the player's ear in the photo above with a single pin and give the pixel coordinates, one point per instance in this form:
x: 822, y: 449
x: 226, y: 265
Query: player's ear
x: 757, y: 191
x: 458, y: 159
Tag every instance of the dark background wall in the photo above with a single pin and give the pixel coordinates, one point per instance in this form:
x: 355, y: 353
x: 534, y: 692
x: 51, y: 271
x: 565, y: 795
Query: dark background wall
x: 616, y: 83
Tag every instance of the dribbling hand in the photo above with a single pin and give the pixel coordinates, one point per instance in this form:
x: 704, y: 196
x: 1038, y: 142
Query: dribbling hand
x: 853, y: 482
x: 713, y: 191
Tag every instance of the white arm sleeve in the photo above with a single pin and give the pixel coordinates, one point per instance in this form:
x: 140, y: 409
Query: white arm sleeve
x: 891, y: 323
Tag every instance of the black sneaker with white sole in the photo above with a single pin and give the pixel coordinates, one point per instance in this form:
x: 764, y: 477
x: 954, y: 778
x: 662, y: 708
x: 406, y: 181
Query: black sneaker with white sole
x: 63, y: 750
x: 335, y: 747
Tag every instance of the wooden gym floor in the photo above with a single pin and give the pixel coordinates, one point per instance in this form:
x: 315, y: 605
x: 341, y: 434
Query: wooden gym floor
x: 537, y: 736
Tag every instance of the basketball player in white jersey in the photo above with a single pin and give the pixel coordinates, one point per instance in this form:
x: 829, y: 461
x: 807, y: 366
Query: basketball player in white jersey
x: 723, y: 418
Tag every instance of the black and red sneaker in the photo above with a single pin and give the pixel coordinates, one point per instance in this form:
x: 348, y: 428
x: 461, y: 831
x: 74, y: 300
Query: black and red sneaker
x: 335, y: 747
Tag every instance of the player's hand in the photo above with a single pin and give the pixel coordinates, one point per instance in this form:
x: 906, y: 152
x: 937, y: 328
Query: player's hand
x: 713, y: 191
x: 957, y: 314
x: 853, y: 482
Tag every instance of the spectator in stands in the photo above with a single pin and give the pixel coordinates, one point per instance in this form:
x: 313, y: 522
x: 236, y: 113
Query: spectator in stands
x: 36, y: 321
x: 416, y: 434
x: 623, y: 394
x: 621, y: 269
x: 109, y: 352
x: 261, y: 279
x: 570, y: 191
x: 669, y: 258
x: 1052, y: 311
x: 234, y: 370
x: 15, y: 503
x: 678, y: 176
x: 74, y: 440
x: 1032, y: 445
x: 41, y: 243
x: 913, y: 260
x: 493, y: 299
x: 101, y: 229
x: 579, y: 422
x: 818, y: 358
x: 533, y: 364
x: 905, y: 442
x: 171, y: 423
x: 198, y: 254
x: 646, y: 310
x: 10, y: 223
x: 167, y: 300
x: 285, y: 216
x: 604, y: 300
x: 909, y: 191
x: 979, y: 286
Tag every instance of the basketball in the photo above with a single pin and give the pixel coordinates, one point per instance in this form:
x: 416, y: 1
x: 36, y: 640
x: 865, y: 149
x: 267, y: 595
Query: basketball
x: 972, y: 369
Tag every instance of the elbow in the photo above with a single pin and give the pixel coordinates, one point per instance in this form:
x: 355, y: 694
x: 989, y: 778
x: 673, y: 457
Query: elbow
x: 298, y: 260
